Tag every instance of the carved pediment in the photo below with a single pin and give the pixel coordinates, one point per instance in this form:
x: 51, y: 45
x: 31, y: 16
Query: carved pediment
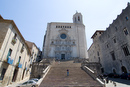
x: 63, y: 30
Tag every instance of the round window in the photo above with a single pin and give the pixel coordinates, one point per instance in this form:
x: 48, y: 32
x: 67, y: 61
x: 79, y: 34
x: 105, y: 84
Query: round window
x: 63, y: 36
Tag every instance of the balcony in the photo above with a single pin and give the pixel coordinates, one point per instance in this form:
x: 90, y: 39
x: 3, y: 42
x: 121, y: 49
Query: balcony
x: 10, y: 61
x: 14, y: 41
x: 22, y: 49
x: 19, y: 65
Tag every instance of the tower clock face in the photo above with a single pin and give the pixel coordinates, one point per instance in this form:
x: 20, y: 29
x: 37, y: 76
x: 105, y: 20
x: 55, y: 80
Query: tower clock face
x: 63, y: 36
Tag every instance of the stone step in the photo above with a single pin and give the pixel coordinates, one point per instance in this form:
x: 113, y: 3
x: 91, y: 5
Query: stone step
x: 57, y: 76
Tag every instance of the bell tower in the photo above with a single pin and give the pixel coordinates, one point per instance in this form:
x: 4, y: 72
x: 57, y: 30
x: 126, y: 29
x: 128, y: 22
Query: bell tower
x: 77, y: 18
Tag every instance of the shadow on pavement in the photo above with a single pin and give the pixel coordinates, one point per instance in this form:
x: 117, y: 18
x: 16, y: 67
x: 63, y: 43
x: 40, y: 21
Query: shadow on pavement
x: 122, y: 81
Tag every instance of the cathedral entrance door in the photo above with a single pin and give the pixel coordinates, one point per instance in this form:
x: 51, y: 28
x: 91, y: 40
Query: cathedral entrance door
x: 62, y: 56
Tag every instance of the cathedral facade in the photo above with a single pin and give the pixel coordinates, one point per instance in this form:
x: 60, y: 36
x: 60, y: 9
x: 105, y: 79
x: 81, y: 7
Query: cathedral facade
x: 65, y: 41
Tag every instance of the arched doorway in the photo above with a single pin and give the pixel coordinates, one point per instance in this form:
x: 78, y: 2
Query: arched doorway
x: 114, y: 71
x: 123, y: 69
x: 102, y: 70
x: 62, y: 56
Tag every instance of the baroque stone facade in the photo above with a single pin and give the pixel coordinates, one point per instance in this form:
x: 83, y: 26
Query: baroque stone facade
x: 113, y: 45
x: 65, y: 41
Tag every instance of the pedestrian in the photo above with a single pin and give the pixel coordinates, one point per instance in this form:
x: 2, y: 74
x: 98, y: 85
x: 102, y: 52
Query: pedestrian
x: 107, y: 81
x: 59, y: 62
x: 67, y: 72
x: 114, y: 84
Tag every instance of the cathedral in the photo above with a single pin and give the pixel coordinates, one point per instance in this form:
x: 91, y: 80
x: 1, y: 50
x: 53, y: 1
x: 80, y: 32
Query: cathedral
x: 65, y: 41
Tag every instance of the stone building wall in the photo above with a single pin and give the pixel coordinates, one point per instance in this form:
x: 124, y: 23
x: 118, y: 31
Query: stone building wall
x: 115, y: 38
x: 14, y: 54
x: 34, y: 51
x: 94, y: 50
x: 114, y: 45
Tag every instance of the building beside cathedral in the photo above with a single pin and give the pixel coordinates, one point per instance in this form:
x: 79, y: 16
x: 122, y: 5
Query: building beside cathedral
x: 65, y: 41
x: 111, y: 48
x: 14, y: 53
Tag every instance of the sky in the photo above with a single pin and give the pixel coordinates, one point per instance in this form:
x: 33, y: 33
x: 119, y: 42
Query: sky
x: 31, y: 16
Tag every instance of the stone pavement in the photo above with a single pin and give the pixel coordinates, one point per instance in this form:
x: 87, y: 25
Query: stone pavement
x: 14, y: 84
x: 117, y: 82
x: 117, y: 85
x: 57, y: 76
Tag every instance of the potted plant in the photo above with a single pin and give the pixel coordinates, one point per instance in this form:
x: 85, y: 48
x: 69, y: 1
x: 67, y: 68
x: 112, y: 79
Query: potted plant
x: 13, y: 41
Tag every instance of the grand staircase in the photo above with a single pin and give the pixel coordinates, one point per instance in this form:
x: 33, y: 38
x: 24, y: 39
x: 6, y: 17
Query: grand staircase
x: 57, y: 76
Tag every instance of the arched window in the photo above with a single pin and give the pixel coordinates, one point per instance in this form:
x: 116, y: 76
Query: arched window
x: 75, y: 19
x: 78, y: 18
x: 114, y: 71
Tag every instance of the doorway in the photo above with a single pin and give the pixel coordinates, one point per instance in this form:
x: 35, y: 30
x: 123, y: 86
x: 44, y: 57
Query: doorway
x: 123, y: 69
x: 102, y: 70
x: 62, y: 56
x: 23, y: 74
x: 3, y: 73
x: 114, y: 71
x: 15, y: 75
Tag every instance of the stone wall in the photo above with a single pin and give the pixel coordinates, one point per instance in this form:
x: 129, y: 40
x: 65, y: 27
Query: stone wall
x: 114, y: 45
x: 39, y: 67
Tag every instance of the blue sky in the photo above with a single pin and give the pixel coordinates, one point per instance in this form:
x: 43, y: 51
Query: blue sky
x: 32, y: 16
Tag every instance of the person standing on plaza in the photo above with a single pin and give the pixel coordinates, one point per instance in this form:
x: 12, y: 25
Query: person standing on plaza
x: 59, y: 62
x: 67, y: 72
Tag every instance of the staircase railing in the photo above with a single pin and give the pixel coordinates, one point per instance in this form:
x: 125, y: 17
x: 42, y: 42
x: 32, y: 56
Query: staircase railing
x: 89, y: 71
x: 93, y: 70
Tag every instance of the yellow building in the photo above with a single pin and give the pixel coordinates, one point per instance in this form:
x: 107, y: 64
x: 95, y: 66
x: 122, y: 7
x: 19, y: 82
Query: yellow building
x: 14, y: 53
